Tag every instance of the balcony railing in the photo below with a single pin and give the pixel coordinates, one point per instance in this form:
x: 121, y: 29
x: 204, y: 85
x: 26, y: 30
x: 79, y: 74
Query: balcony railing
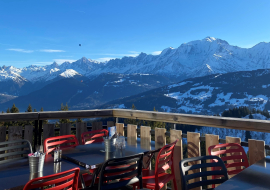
x: 40, y: 131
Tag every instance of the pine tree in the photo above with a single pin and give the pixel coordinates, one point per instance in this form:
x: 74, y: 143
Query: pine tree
x: 250, y: 116
x: 14, y: 109
x: 44, y: 121
x: 35, y: 110
x: 29, y: 109
x: 8, y: 111
x: 64, y: 108
x: 79, y: 120
x: 132, y: 121
x: 154, y: 124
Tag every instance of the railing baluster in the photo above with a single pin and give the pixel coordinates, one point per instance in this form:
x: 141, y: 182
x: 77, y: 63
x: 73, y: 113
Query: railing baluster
x: 194, y: 150
x: 110, y: 124
x: 256, y: 150
x: 233, y: 140
x: 48, y: 131
x: 40, y: 122
x: 160, y: 141
x: 177, y: 156
x: 120, y: 129
x: 2, y: 133
x: 132, y: 134
x: 145, y: 137
x: 97, y: 125
x: 28, y: 133
x: 210, y: 140
x: 36, y: 135
x: 14, y: 133
x: 65, y: 129
x: 80, y: 128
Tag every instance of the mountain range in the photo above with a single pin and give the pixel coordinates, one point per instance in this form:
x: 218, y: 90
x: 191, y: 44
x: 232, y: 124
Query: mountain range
x: 189, y: 60
x: 207, y: 57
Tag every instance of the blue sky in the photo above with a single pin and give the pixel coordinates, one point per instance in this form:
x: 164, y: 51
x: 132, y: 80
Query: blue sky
x: 43, y: 31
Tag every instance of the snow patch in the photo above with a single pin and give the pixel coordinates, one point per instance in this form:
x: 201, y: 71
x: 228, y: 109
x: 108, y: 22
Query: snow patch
x: 208, y: 66
x: 54, y: 70
x: 265, y: 86
x: 221, y: 99
x: 257, y: 116
x: 69, y: 73
x: 166, y: 108
x: 121, y: 106
x: 178, y: 84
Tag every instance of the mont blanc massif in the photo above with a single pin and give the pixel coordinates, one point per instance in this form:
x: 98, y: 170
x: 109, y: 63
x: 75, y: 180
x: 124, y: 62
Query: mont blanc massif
x: 204, y: 76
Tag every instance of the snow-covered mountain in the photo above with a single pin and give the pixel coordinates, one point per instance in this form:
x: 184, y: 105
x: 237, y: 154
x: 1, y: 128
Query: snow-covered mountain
x: 208, y: 95
x: 34, y: 73
x: 196, y: 58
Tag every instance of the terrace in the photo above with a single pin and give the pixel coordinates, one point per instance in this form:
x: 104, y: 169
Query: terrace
x: 37, y: 133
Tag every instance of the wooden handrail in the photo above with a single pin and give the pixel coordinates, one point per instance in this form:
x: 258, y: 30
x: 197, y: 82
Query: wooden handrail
x: 199, y: 120
x: 19, y: 116
x: 75, y: 114
x: 190, y: 119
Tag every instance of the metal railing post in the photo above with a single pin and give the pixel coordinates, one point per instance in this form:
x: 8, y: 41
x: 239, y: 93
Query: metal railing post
x: 35, y: 135
x: 40, y: 132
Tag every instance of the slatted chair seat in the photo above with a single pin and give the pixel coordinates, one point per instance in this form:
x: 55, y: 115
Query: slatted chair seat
x: 149, y: 179
x: 14, y: 150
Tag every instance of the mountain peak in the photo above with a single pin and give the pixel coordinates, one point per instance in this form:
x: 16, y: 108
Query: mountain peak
x: 84, y: 59
x: 54, y: 64
x: 166, y: 51
x: 210, y: 39
x: 142, y: 54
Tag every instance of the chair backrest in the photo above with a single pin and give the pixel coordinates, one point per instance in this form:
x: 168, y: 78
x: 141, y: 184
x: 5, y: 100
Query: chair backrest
x: 148, y: 157
x: 164, y: 160
x: 129, y: 168
x: 234, y: 153
x: 65, y: 141
x: 93, y: 136
x: 186, y: 166
x: 14, y: 150
x: 67, y: 179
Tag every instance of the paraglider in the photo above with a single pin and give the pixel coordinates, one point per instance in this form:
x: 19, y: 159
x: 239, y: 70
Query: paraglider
x: 80, y: 45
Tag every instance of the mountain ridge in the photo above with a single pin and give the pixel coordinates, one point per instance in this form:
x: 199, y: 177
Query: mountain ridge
x: 196, y: 58
x: 208, y: 95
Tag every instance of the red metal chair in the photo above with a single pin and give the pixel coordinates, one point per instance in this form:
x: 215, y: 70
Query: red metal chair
x: 234, y: 153
x: 65, y: 141
x: 156, y: 179
x: 95, y: 136
x: 64, y: 180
